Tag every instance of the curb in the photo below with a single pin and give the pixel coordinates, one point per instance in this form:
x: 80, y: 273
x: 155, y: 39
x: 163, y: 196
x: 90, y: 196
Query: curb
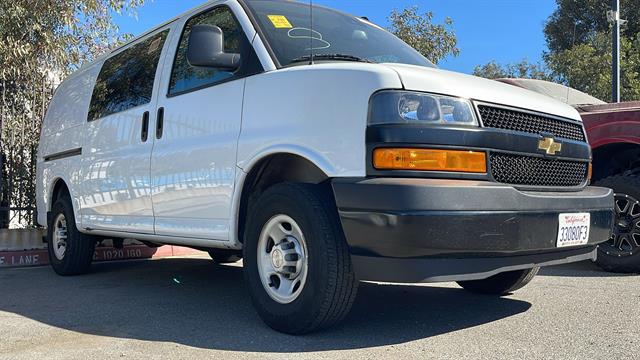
x: 40, y: 257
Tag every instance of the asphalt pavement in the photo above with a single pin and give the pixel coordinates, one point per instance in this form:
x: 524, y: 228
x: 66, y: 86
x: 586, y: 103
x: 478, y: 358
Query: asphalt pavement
x: 190, y: 308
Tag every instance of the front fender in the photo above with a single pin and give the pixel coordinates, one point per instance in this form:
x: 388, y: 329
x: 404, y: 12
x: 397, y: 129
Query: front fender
x: 321, y: 161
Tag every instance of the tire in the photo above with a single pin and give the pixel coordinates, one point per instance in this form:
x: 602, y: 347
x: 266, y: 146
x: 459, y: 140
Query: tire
x: 501, y: 284
x: 622, y: 253
x: 70, y: 251
x: 326, y: 285
x: 223, y: 256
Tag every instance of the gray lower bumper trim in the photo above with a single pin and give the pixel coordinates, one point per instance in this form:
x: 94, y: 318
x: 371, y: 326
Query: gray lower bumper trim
x: 445, y: 269
x: 407, y: 194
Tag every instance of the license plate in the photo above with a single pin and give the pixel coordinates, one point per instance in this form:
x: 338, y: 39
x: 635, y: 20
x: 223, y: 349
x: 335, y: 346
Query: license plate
x: 573, y: 229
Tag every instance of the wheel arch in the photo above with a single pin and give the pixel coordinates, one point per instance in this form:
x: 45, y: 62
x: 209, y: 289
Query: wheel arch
x: 59, y: 187
x: 615, y: 158
x: 268, y: 170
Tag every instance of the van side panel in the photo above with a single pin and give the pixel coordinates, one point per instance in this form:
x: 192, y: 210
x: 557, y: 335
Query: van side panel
x: 61, y: 140
x: 115, y: 193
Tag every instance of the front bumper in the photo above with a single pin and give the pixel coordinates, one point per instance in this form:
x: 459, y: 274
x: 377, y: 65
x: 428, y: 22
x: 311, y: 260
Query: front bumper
x: 420, y: 230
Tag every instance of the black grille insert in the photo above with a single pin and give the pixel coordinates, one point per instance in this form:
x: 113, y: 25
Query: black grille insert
x: 495, y: 117
x: 535, y: 171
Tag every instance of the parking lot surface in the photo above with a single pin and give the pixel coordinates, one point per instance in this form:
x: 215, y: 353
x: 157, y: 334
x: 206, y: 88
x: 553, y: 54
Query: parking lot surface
x: 190, y: 308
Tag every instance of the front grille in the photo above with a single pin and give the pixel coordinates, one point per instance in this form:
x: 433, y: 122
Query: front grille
x: 534, y: 171
x: 495, y: 117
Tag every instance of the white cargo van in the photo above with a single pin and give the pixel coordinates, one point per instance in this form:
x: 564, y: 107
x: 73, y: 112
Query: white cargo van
x: 322, y: 153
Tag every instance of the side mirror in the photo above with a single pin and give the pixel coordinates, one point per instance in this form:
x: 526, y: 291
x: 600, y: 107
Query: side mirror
x: 206, y: 49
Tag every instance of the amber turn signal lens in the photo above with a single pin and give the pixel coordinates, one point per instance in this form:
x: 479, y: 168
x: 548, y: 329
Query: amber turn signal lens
x: 430, y: 160
x: 590, y: 173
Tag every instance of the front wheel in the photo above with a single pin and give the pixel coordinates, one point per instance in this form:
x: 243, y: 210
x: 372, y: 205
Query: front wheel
x: 296, y: 259
x: 501, y: 284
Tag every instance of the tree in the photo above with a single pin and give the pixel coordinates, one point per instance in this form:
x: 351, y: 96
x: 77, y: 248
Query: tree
x: 433, y: 41
x: 587, y: 67
x: 577, y: 21
x: 523, y: 69
x: 55, y: 35
x: 578, y: 36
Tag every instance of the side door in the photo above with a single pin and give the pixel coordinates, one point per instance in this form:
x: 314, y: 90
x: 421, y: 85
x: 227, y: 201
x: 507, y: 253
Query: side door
x: 116, y: 157
x: 193, y: 165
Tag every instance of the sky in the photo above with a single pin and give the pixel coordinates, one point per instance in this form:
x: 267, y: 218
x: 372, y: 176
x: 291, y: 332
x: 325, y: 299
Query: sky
x: 506, y: 31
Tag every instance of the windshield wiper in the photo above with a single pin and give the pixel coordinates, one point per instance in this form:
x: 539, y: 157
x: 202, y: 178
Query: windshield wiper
x: 341, y: 57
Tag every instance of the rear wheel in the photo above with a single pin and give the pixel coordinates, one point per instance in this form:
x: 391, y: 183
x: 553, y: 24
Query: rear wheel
x: 622, y: 252
x: 296, y: 259
x: 224, y: 256
x: 501, y: 284
x: 70, y: 251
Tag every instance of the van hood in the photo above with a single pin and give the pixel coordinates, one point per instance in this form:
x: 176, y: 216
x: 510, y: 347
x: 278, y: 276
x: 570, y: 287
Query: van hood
x: 418, y: 78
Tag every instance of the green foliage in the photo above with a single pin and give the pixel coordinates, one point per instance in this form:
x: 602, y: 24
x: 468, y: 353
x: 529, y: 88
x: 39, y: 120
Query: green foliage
x: 523, y: 69
x: 434, y: 41
x: 55, y: 35
x: 587, y: 67
x: 577, y: 21
x: 579, y: 39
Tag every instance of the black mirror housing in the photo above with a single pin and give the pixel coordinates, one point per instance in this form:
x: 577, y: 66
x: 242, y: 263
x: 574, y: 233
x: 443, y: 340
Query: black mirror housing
x: 206, y: 49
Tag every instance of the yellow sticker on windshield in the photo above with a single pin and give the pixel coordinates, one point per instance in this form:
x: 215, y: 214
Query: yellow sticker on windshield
x: 280, y: 21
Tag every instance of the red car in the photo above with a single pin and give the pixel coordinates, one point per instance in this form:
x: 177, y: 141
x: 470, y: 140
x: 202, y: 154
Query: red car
x: 614, y: 134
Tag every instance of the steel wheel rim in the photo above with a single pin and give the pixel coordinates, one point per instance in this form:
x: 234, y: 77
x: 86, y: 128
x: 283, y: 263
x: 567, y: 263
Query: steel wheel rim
x: 625, y: 240
x: 59, y: 241
x: 282, y: 259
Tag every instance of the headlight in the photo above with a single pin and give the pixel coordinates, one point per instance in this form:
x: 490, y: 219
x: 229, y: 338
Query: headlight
x: 403, y: 107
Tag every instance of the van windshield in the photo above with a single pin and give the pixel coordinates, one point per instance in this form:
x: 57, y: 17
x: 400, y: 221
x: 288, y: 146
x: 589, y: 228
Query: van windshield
x: 335, y: 36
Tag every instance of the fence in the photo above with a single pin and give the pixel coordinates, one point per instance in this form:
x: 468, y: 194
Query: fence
x: 22, y: 109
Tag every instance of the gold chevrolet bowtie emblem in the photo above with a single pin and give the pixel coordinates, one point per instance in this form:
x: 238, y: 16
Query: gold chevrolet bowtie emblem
x: 550, y: 146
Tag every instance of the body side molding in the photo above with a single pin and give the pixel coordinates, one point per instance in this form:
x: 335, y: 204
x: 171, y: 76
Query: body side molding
x: 63, y: 154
